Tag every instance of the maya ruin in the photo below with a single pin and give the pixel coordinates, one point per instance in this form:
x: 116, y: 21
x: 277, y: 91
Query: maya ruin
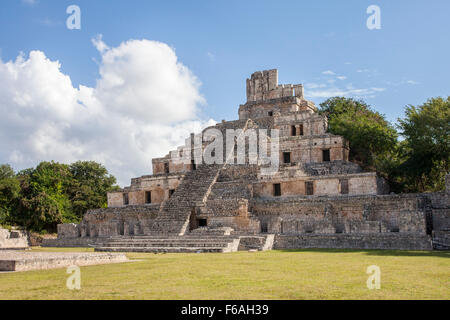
x: 316, y: 198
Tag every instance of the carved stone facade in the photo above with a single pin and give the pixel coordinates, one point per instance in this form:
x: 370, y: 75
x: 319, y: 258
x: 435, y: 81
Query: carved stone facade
x: 315, y: 191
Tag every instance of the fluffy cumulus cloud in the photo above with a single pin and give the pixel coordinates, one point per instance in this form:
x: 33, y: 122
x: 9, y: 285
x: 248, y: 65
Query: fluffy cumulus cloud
x: 145, y: 103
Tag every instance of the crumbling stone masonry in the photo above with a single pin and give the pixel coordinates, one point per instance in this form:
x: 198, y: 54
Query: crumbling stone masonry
x: 14, y: 239
x: 317, y: 198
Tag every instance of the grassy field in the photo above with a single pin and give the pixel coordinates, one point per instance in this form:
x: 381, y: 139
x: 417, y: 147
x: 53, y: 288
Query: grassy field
x: 302, y: 274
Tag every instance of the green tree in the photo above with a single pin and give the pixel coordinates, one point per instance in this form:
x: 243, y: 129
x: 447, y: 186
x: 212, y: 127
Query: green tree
x: 371, y: 137
x: 44, y: 202
x: 426, y: 130
x: 91, y: 181
x: 9, y: 193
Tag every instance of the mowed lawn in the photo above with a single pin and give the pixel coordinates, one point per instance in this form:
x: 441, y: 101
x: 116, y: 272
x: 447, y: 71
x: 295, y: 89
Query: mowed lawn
x: 300, y: 274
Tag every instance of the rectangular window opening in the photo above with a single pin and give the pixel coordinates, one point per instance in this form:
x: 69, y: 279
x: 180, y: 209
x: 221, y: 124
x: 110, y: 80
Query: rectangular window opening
x: 166, y: 167
x: 202, y: 222
x: 286, y: 157
x: 148, y: 197
x: 326, y: 155
x: 309, y: 186
x: 277, y: 189
x: 293, y: 131
x: 264, y: 228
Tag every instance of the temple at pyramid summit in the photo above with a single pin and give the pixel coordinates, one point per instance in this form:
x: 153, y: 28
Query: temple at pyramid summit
x: 304, y: 192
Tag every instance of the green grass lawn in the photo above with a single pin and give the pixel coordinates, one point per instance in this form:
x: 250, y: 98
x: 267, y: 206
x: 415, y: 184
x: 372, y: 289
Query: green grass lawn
x: 300, y: 274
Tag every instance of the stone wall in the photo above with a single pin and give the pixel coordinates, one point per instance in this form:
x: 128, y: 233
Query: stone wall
x: 440, y: 208
x: 229, y: 213
x: 14, y: 239
x: 108, y: 222
x: 346, y: 214
x: 354, y: 241
x: 159, y: 187
x: 310, y: 149
x: 313, y: 124
x: 447, y: 183
x: 292, y: 183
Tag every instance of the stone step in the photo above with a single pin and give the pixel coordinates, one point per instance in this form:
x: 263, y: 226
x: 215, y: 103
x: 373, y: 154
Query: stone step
x: 165, y: 244
x: 200, y: 237
x: 192, y: 190
x: 162, y: 249
x: 188, y: 240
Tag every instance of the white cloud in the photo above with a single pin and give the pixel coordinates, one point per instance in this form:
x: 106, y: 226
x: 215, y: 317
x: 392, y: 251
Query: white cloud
x: 341, y: 77
x: 99, y: 44
x: 329, y: 73
x: 349, y: 91
x: 402, y: 82
x: 144, y: 104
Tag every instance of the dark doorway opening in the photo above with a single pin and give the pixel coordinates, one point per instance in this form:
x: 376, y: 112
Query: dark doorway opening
x: 166, y: 167
x: 309, y: 186
x: 277, y: 189
x: 293, y: 131
x: 326, y: 155
x: 148, y: 197
x: 193, y: 165
x: 171, y: 191
x: 301, y: 129
x: 264, y: 228
x: 286, y: 157
x: 125, y: 199
x: 270, y: 113
x: 202, y: 222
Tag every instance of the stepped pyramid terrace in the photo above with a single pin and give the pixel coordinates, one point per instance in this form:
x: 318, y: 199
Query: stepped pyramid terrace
x: 275, y: 178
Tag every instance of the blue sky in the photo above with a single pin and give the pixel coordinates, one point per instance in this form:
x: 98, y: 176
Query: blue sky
x: 223, y: 42
x: 323, y: 44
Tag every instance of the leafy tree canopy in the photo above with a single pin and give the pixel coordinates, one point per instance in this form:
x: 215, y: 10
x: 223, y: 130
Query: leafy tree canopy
x: 9, y: 192
x: 426, y: 148
x: 89, y: 186
x: 370, y: 135
x: 53, y: 193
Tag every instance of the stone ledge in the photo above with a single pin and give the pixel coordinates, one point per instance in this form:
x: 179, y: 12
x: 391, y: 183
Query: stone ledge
x: 25, y: 261
x: 354, y: 241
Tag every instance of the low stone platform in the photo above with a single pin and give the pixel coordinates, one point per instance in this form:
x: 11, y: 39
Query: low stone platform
x: 383, y: 241
x: 170, y: 244
x: 25, y: 260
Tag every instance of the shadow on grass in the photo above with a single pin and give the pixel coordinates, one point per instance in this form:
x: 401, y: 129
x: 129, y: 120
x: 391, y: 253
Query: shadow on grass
x: 372, y: 252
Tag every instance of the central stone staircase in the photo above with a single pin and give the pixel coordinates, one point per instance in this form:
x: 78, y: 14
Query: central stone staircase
x: 171, y: 244
x: 173, y: 219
